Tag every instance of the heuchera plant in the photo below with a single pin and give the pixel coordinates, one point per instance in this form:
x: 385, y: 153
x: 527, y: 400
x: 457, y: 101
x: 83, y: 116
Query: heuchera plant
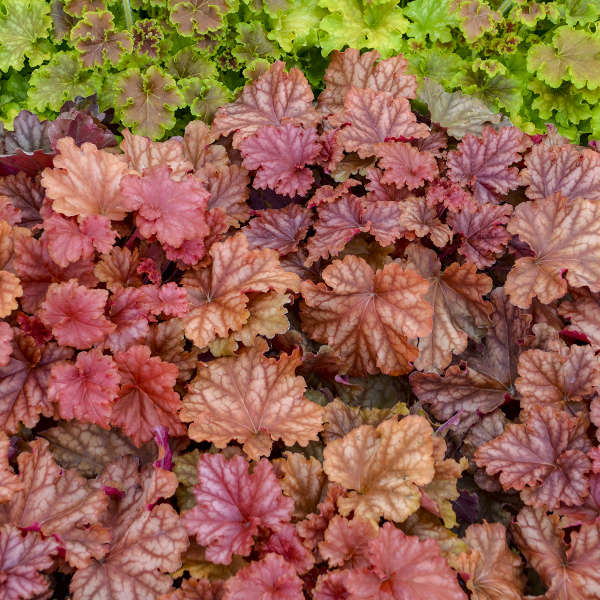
x: 163, y: 62
x: 328, y: 350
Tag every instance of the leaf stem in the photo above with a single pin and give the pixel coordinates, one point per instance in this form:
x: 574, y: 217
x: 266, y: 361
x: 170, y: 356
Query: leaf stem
x: 128, y: 14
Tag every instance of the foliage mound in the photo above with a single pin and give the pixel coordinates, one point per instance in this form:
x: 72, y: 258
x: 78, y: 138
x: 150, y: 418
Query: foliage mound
x: 161, y: 63
x: 332, y: 350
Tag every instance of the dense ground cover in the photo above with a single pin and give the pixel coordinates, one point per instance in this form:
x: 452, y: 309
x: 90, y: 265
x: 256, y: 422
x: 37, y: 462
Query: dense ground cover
x: 160, y: 63
x: 333, y: 350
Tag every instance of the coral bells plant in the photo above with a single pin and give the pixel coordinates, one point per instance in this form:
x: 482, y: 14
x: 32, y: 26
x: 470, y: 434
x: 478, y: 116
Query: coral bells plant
x: 326, y: 348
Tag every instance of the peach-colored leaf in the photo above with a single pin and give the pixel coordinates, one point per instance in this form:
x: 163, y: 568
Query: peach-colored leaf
x: 383, y: 467
x: 24, y: 382
x: 280, y: 229
x: 142, y: 154
x: 229, y: 189
x: 420, y: 218
x: 402, y: 567
x: 492, y: 571
x: 350, y: 69
x: 6, y: 337
x: 367, y: 316
x: 231, y: 504
x: 9, y: 482
x: 459, y: 310
x: 556, y: 378
x: 199, y: 149
x: 484, y: 163
x: 146, y: 396
x: 119, y: 268
x: 544, y: 457
x: 217, y: 296
x: 569, y: 572
x: 58, y: 503
x: 274, y: 98
x: 564, y: 235
x: 22, y: 559
x: 303, y: 480
x: 146, y: 540
x: 10, y: 290
x: 86, y: 181
x: 371, y: 117
x: 252, y: 399
x: 37, y: 271
x: 346, y: 542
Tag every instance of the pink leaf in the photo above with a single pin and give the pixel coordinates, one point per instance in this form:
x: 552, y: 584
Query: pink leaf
x: 86, y: 390
x: 281, y: 154
x: 174, y: 211
x: 22, y: 557
x: 484, y: 163
x: 231, y: 504
x: 76, y: 314
x: 271, y: 578
x: 405, y: 165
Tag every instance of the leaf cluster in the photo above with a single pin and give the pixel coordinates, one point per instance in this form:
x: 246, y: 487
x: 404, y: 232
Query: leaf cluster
x: 324, y: 348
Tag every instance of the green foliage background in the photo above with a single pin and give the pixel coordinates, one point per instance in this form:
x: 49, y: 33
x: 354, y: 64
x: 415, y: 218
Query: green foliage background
x: 162, y: 62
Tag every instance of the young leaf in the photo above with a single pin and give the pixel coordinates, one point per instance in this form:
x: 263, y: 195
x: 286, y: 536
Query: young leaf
x: 252, y: 399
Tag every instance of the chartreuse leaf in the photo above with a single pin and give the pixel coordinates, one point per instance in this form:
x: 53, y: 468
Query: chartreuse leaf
x: 205, y: 98
x: 13, y: 95
x: 253, y: 43
x: 362, y: 24
x: 498, y: 90
x: 430, y: 18
x: 574, y: 55
x: 296, y: 25
x: 189, y: 64
x: 595, y: 122
x: 580, y: 12
x: 24, y: 29
x: 445, y: 67
x: 59, y: 80
x: 148, y: 101
x: 561, y: 103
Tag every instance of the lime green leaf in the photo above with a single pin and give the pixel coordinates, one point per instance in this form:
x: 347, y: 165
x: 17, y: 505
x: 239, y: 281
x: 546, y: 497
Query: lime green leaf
x: 148, y: 101
x: 595, y: 122
x: 59, y: 80
x: 378, y: 25
x: 297, y: 26
x: 24, y: 29
x: 573, y: 56
x: 256, y: 68
x: 499, y: 91
x: 189, y: 64
x: 198, y: 16
x: 581, y: 11
x: 204, y: 100
x: 253, y: 43
x: 568, y: 105
x: 431, y: 18
x: 477, y: 18
x: 95, y: 37
x: 529, y: 14
x: 445, y: 67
